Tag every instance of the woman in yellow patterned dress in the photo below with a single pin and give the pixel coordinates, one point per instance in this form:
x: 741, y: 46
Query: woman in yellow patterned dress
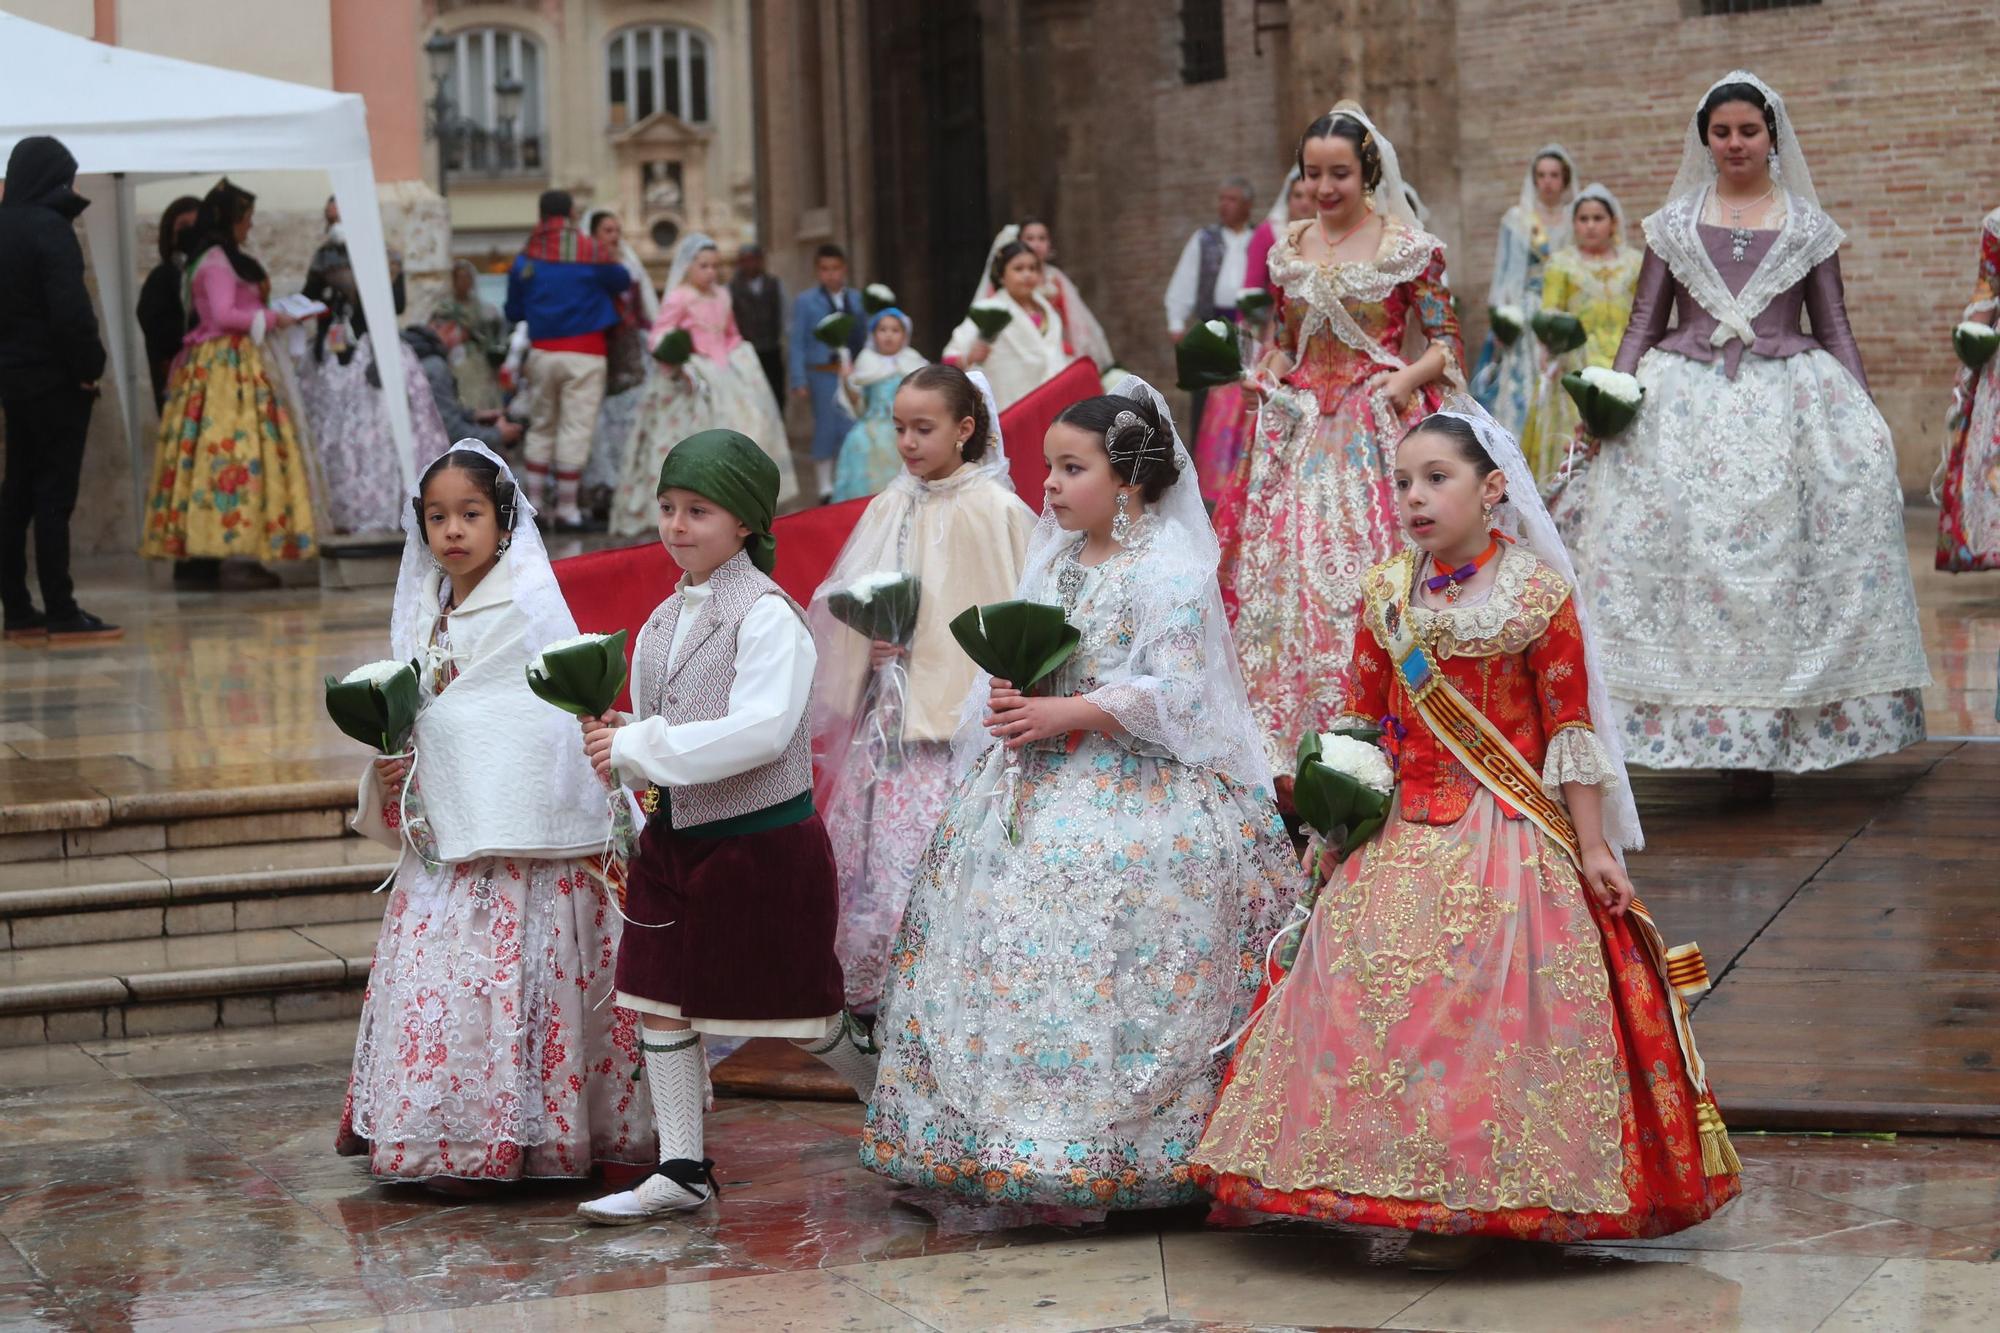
x: 1593, y: 279
x: 229, y: 477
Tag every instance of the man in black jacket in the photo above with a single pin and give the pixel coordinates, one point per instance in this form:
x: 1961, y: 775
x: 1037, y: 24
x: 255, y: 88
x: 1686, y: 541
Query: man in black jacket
x: 50, y: 361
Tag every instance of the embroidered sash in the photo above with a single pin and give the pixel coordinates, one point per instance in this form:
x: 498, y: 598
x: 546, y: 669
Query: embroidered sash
x: 1475, y: 742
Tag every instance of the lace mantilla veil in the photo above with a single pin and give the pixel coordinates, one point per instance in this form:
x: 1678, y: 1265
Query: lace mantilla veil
x: 1697, y: 170
x: 570, y: 781
x: 1529, y: 196
x: 1523, y: 516
x: 1205, y: 722
x: 685, y: 254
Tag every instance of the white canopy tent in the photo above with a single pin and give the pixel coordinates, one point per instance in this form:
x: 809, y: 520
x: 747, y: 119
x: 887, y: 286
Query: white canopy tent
x: 130, y: 116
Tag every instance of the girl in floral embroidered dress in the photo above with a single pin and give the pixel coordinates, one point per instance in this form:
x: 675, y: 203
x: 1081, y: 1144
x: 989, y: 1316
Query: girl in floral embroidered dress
x: 1316, y: 511
x: 1478, y: 1036
x: 884, y: 714
x: 488, y: 1050
x: 1054, y: 1000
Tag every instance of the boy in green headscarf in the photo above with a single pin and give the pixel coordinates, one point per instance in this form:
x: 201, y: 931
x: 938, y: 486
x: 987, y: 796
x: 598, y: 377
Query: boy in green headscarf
x: 732, y: 895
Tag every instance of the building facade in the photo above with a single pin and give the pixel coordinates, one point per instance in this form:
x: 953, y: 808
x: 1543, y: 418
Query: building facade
x: 912, y: 131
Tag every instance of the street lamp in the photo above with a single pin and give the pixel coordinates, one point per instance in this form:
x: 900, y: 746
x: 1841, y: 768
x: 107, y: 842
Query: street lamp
x: 507, y: 96
x: 441, y: 51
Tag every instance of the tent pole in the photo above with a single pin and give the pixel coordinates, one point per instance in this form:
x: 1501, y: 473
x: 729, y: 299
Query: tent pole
x: 121, y: 322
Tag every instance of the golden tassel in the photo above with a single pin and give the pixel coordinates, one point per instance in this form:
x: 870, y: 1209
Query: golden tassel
x: 1718, y: 1154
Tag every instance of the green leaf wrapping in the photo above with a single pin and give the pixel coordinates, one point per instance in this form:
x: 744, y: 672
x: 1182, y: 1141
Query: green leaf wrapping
x: 890, y: 615
x: 990, y: 320
x: 1252, y: 302
x: 1204, y: 359
x: 1341, y: 810
x: 1974, y: 347
x: 674, y: 347
x: 1505, y: 330
x: 1559, y: 332
x: 378, y: 715
x: 1603, y: 416
x: 835, y: 329
x: 1019, y: 642
x: 583, y: 679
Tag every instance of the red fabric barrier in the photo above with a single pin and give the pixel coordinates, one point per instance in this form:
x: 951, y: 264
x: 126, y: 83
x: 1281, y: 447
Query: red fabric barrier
x: 618, y: 588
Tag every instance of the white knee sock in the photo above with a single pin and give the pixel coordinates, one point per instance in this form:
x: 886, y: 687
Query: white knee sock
x: 823, y: 470
x: 839, y: 1050
x: 674, y: 1073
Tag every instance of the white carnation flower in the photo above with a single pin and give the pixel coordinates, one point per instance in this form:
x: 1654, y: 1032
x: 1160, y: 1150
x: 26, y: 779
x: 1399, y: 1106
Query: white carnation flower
x: 990, y: 303
x: 1623, y: 387
x: 863, y: 589
x: 541, y: 666
x: 1511, y: 314
x: 375, y: 673
x: 1217, y: 327
x: 1976, y: 328
x: 1356, y: 759
x: 880, y: 293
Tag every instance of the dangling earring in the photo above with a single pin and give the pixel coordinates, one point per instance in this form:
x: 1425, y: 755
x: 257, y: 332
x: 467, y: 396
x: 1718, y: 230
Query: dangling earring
x: 1771, y: 162
x: 1121, y: 522
x: 1486, y: 515
x: 961, y: 445
x: 506, y: 542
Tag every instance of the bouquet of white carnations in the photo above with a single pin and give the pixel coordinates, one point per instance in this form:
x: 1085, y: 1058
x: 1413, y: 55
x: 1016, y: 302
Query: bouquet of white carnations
x: 1975, y: 343
x: 875, y: 298
x: 581, y: 676
x: 991, y: 318
x: 1342, y: 791
x: 1253, y: 303
x: 881, y: 606
x: 834, y: 330
x: 1507, y: 322
x: 1607, y: 400
x: 1208, y: 356
x: 376, y: 704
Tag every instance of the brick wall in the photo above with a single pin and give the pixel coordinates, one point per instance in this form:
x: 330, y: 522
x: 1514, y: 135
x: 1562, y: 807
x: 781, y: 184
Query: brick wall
x: 1896, y: 103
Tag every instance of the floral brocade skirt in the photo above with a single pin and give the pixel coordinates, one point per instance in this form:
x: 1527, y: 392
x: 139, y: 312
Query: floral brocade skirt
x: 1228, y: 416
x: 489, y: 1048
x: 1052, y: 1003
x: 1467, y: 1043
x: 1317, y: 512
x: 230, y: 477
x: 1969, y: 481
x: 879, y: 826
x: 1741, y: 551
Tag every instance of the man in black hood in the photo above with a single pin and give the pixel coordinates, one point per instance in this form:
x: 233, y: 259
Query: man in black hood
x: 50, y: 361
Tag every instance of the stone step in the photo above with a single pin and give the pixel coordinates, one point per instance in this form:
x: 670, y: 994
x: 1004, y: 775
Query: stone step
x: 151, y: 895
x: 80, y: 823
x: 133, y: 988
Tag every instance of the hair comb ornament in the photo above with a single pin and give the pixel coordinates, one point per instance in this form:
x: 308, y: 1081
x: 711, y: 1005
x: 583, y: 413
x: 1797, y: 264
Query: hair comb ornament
x: 1133, y: 443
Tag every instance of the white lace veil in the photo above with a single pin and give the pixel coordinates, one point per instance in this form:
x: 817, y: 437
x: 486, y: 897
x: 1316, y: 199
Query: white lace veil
x: 642, y: 281
x: 1602, y: 194
x: 1698, y: 165
x: 1281, y: 212
x: 1007, y: 234
x: 571, y: 782
x: 1392, y: 195
x: 1523, y: 516
x: 1203, y: 719
x: 1528, y: 195
x: 685, y: 254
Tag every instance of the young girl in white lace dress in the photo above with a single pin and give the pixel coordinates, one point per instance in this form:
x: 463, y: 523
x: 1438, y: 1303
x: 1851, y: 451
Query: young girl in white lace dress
x: 1054, y: 996
x: 489, y: 1050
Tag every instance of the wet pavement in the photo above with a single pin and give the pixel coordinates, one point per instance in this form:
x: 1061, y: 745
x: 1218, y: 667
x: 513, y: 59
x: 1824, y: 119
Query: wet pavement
x: 190, y: 1183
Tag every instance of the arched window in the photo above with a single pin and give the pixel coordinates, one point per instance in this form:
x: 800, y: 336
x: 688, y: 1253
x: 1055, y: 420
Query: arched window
x: 657, y: 67
x: 483, y: 60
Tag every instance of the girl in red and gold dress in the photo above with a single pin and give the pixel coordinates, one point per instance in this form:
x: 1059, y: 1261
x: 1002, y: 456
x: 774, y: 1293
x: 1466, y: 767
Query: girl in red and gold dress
x: 1482, y: 1034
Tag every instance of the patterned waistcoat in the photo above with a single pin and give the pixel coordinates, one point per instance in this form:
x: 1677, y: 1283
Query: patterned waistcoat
x: 696, y: 689
x: 1211, y: 269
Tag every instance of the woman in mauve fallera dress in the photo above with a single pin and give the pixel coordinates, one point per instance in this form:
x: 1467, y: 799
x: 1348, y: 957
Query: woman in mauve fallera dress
x: 1743, y: 539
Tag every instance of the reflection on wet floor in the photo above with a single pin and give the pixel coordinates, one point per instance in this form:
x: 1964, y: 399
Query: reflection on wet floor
x: 189, y: 1182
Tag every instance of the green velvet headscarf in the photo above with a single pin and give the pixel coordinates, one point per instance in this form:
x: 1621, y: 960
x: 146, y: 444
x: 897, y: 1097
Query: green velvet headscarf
x: 726, y: 466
